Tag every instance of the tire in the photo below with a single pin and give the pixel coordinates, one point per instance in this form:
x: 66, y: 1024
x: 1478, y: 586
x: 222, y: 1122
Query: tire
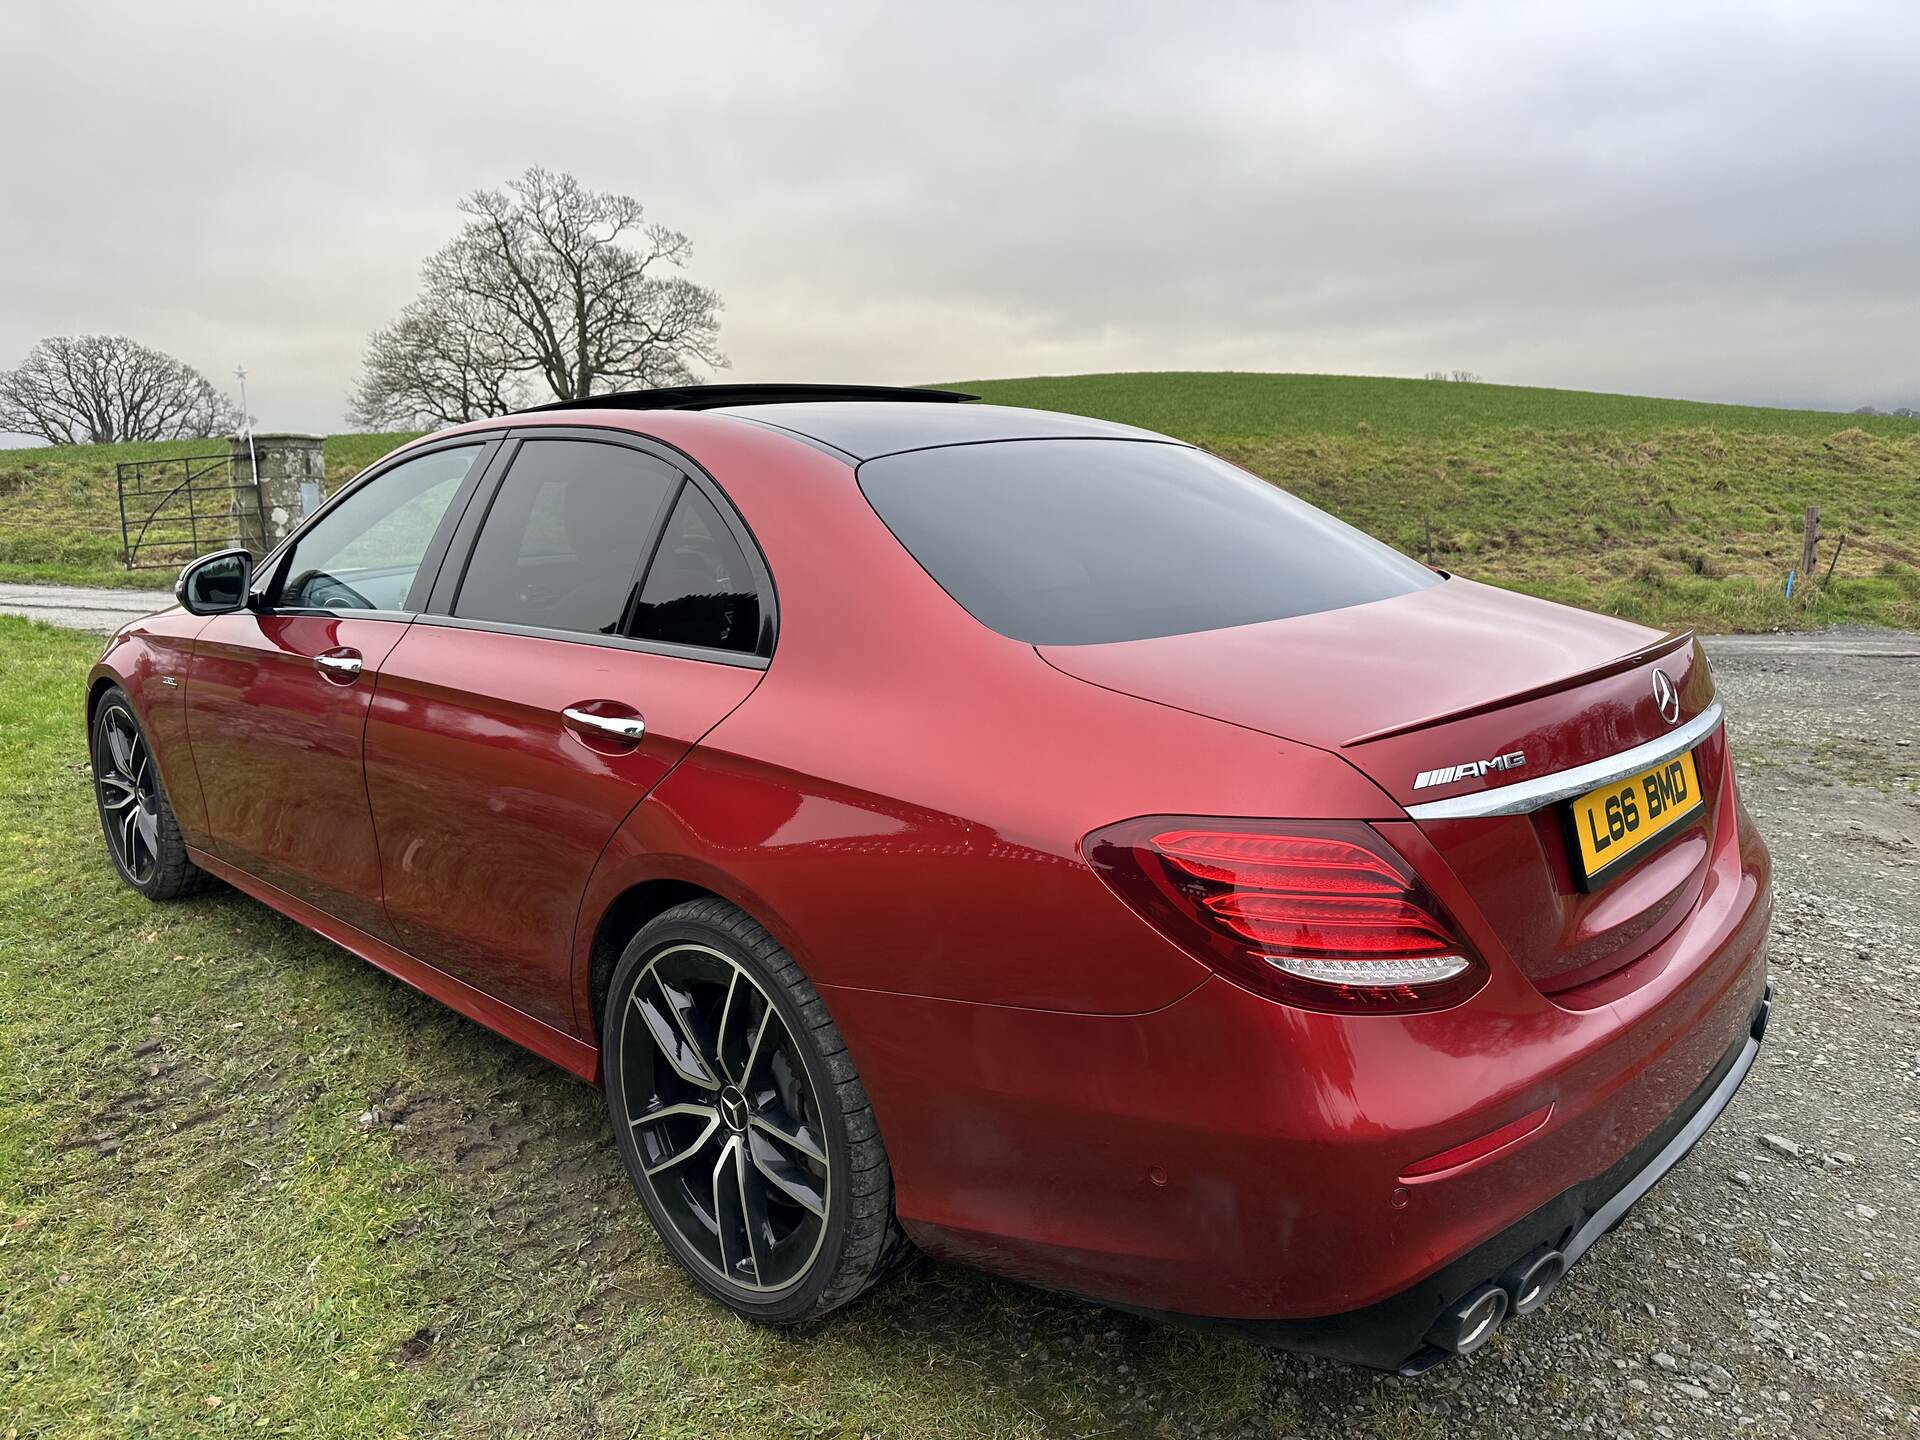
x: 143, y: 838
x: 691, y: 1010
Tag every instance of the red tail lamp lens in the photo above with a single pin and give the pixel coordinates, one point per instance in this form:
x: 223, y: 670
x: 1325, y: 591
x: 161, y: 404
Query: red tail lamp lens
x: 1318, y: 914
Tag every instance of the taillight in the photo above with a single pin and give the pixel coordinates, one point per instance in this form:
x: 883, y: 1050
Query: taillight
x: 1320, y: 914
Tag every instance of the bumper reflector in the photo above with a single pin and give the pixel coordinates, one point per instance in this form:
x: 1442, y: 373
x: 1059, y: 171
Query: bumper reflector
x: 1479, y: 1148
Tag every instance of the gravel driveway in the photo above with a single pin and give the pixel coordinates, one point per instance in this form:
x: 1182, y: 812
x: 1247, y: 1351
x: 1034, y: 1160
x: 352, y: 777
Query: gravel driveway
x: 78, y: 607
x: 1771, y: 1285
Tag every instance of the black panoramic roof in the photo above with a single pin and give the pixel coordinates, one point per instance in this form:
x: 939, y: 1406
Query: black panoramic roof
x: 867, y: 430
x: 714, y: 397
x: 864, y: 421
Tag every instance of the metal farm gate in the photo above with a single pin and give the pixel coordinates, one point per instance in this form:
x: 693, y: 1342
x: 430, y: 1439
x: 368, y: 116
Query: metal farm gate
x: 174, y: 509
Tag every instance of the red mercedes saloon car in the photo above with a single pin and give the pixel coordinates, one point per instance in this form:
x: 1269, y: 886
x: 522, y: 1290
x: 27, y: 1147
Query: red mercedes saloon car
x: 1016, y: 836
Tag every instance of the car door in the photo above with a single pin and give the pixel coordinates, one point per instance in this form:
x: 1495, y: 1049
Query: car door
x: 277, y: 694
x: 522, y: 717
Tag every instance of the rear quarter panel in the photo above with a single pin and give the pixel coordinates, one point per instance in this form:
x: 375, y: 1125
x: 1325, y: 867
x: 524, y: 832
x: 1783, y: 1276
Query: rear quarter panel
x: 901, y: 800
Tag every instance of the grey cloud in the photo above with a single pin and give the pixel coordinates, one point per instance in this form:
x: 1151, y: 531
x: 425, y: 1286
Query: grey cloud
x: 1702, y: 200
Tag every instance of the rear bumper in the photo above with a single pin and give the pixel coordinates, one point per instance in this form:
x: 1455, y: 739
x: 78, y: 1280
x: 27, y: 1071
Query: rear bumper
x: 1391, y: 1334
x: 1229, y: 1157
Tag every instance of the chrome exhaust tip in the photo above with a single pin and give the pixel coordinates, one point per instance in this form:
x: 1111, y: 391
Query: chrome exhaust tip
x: 1529, y: 1284
x: 1471, y: 1323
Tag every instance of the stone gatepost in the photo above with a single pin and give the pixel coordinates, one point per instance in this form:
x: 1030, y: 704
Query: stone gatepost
x: 289, y: 465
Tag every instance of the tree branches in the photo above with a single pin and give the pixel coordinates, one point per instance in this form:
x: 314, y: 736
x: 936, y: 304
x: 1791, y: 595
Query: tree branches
x: 99, y: 389
x: 548, y: 284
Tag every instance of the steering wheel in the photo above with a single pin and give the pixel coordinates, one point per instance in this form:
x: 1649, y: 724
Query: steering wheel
x: 317, y: 590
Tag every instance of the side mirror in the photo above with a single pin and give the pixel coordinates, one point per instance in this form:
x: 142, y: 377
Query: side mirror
x: 215, y: 584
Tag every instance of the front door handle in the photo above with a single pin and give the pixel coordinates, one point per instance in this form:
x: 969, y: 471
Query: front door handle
x: 620, y: 727
x: 341, y: 666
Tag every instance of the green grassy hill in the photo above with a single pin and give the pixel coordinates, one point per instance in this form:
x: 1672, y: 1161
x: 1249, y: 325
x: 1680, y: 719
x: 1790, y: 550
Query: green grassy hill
x: 1668, y: 511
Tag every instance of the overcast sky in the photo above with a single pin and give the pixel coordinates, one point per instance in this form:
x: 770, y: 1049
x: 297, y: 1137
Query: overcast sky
x: 1709, y: 201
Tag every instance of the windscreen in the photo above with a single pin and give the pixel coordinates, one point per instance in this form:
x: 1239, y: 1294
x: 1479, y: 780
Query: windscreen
x: 1079, y: 542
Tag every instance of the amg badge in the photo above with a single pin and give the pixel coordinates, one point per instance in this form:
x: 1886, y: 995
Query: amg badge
x: 1447, y: 774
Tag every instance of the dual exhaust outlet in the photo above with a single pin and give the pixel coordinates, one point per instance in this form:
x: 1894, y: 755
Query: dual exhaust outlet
x: 1522, y: 1290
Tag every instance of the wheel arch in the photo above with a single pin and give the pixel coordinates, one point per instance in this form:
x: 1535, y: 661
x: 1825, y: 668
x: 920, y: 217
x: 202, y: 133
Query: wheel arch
x: 639, y: 879
x: 101, y: 681
x: 620, y: 920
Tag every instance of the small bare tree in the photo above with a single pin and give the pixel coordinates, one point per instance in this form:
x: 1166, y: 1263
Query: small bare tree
x: 99, y: 389
x: 1464, y: 377
x: 550, y: 282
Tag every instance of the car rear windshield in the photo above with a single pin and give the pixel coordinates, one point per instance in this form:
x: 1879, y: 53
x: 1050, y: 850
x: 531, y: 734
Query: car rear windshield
x: 1078, y: 542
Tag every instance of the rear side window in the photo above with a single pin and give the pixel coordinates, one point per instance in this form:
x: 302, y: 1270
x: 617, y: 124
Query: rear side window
x: 700, y: 589
x: 566, y: 536
x: 1079, y: 542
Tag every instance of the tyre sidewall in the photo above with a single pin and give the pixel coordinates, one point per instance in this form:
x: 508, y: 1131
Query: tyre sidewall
x: 799, y: 1299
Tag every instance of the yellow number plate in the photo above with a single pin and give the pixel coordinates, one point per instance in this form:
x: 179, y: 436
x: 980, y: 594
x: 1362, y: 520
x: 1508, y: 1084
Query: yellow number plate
x: 1614, y: 822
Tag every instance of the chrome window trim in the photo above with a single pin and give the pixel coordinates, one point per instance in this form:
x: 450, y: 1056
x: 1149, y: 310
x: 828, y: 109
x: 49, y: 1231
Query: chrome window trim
x: 742, y: 659
x: 1531, y: 795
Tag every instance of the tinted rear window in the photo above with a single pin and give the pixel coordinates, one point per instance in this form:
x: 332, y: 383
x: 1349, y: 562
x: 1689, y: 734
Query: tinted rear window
x: 1077, y: 542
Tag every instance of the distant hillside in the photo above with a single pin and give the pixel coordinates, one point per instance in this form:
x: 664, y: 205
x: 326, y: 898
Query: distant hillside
x: 1668, y: 511
x: 1200, y: 404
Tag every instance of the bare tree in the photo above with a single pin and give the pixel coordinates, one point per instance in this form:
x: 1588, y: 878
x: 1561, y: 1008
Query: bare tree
x: 549, y: 281
x: 436, y: 365
x: 1464, y: 377
x: 98, y: 389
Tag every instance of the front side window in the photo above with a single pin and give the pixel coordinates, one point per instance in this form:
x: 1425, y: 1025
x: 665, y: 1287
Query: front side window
x: 1076, y: 542
x: 700, y: 589
x: 564, y: 540
x: 364, y: 553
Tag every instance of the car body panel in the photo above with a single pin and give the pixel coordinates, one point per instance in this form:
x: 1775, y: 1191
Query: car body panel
x: 1404, y: 684
x: 900, y: 762
x: 150, y: 660
x: 278, y: 746
x: 492, y: 812
x: 1446, y: 676
x: 899, y: 796
x: 1283, y: 1134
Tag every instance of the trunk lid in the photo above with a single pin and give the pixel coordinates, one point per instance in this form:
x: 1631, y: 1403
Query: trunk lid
x: 1440, y: 680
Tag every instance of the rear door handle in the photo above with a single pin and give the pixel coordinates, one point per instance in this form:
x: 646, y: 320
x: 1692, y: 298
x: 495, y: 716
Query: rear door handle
x: 341, y: 666
x: 621, y: 727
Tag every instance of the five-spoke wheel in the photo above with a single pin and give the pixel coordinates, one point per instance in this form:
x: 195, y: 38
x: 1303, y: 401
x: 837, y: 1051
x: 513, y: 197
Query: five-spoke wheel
x: 743, y: 1126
